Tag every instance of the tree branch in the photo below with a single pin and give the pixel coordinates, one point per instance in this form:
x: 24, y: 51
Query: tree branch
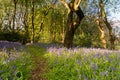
x: 65, y: 3
x: 77, y: 2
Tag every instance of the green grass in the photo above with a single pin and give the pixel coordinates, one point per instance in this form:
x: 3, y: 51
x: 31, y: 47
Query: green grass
x: 118, y: 47
x: 36, y: 50
x: 21, y: 67
x: 90, y: 66
x: 17, y: 69
x: 62, y: 64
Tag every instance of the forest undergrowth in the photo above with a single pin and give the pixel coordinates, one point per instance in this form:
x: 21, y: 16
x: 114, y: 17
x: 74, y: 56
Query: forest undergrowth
x: 55, y: 62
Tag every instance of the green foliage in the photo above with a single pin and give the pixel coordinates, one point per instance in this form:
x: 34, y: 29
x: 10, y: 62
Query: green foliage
x: 49, y: 21
x: 88, y: 34
x: 13, y: 36
x: 118, y: 46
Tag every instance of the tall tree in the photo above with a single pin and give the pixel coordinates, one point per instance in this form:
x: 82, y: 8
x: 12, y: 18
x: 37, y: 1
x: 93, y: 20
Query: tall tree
x: 72, y: 24
x: 104, y: 17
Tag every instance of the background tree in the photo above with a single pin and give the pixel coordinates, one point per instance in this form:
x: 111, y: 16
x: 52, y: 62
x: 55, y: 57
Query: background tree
x: 51, y: 22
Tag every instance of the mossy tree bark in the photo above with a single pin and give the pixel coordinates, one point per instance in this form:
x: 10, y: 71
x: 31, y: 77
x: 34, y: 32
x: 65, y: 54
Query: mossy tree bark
x: 72, y: 24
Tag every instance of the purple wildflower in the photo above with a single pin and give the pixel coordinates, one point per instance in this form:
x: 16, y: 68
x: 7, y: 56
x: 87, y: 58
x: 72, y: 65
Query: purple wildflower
x: 94, y: 66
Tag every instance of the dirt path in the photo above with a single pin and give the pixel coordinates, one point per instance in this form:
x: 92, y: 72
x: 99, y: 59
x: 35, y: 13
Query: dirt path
x: 39, y: 70
x: 39, y: 64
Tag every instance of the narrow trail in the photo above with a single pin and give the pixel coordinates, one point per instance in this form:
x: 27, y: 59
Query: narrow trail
x: 39, y: 70
x: 39, y: 63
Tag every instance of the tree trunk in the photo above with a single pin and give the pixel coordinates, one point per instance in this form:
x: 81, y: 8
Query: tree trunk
x: 26, y: 22
x: 69, y: 31
x: 72, y: 24
x: 15, y: 6
x: 32, y: 9
x: 102, y: 37
x: 63, y: 30
x: 111, y: 34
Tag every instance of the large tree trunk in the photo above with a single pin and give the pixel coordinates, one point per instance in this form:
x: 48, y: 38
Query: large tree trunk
x: 111, y: 34
x: 70, y: 31
x: 72, y: 24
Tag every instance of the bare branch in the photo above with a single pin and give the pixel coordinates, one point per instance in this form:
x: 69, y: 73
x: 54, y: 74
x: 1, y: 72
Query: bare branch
x: 65, y: 3
x: 77, y: 2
